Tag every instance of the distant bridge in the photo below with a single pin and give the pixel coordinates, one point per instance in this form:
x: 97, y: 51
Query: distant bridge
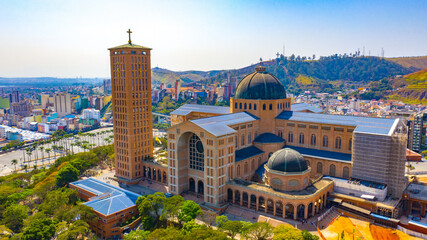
x: 160, y: 116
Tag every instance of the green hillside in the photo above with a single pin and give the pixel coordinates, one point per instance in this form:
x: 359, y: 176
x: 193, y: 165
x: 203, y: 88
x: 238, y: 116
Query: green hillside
x: 414, y: 88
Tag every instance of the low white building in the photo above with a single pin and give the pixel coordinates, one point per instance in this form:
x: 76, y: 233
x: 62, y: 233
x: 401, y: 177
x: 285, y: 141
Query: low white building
x: 360, y: 188
x: 91, y: 113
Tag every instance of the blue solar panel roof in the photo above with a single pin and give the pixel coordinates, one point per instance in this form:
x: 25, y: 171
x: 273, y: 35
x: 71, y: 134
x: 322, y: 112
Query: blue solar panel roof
x: 337, y: 156
x: 299, y: 107
x: 247, y: 152
x: 188, y: 108
x: 369, y: 125
x: 219, y: 125
x: 110, y: 199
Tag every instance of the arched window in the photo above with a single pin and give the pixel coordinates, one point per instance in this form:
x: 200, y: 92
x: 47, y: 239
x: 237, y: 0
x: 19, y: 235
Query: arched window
x: 332, y: 171
x: 290, y: 137
x: 243, y: 139
x: 246, y: 168
x: 240, y: 105
x: 319, y: 167
x: 249, y: 138
x: 263, y: 107
x: 350, y: 142
x: 245, y: 106
x: 254, y: 106
x: 250, y: 106
x: 270, y: 107
x: 235, y: 105
x: 301, y: 138
x: 197, y: 156
x: 236, y: 141
x: 278, y: 106
x: 345, y: 172
x: 325, y: 141
x: 313, y: 139
x: 338, y: 143
x: 238, y: 170
x: 253, y: 164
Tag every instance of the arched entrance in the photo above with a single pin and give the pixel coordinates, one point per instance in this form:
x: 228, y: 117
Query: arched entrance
x: 237, y: 197
x: 270, y: 206
x: 279, y: 209
x: 230, y: 195
x: 192, y: 184
x: 300, y: 211
x: 289, y: 211
x: 310, y: 210
x: 144, y: 171
x: 261, y: 204
x: 200, y: 187
x: 253, y: 202
x: 245, y: 199
x: 149, y: 173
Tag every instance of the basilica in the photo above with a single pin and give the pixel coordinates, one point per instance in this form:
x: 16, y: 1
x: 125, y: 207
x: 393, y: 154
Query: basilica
x: 288, y: 160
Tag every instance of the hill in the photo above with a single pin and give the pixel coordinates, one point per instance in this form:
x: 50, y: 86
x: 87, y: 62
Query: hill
x: 161, y: 75
x: 413, y: 88
x: 416, y: 63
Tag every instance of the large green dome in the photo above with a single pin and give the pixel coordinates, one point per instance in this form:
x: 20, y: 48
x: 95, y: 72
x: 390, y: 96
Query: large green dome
x: 287, y: 160
x: 260, y: 85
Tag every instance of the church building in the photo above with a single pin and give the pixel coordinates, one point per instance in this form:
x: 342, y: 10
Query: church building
x: 270, y: 155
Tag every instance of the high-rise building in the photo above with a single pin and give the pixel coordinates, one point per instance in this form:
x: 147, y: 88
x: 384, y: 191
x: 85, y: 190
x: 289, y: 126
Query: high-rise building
x: 63, y: 104
x: 14, y: 97
x: 131, y: 98
x: 417, y: 134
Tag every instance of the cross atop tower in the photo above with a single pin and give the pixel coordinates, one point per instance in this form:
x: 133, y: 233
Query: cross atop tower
x: 129, y: 31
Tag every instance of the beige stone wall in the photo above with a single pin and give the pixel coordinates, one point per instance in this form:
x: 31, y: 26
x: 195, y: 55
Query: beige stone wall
x: 306, y: 129
x: 131, y: 99
x: 320, y: 167
x: 278, y: 206
x: 266, y: 114
x: 287, y: 181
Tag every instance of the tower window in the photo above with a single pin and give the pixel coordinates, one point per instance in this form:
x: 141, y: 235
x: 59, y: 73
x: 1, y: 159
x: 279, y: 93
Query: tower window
x: 263, y: 107
x: 250, y: 106
x: 254, y: 106
x: 197, y: 157
x: 271, y: 106
x: 235, y: 105
x: 240, y: 105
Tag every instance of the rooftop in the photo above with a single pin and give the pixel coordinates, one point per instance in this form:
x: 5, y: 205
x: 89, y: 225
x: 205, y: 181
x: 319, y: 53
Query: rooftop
x: 369, y: 125
x: 130, y: 45
x: 109, y: 199
x: 219, y: 125
x: 189, y: 108
x: 300, y: 107
x: 247, y: 152
x: 268, y: 138
x: 328, y: 155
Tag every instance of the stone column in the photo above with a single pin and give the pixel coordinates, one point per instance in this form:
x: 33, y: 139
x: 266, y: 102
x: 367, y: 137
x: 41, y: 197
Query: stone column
x: 305, y: 212
x: 324, y: 201
x: 265, y: 205
x: 313, y: 209
x: 257, y: 202
x: 232, y: 195
x: 249, y: 201
x: 295, y: 212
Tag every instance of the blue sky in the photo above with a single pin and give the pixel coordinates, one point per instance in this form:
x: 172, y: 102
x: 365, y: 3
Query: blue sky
x: 70, y: 38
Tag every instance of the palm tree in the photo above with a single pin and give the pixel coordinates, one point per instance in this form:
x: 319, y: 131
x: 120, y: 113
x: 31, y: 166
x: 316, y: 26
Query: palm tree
x: 30, y: 152
x: 14, y: 162
x: 48, y: 152
x: 41, y: 149
x: 25, y: 167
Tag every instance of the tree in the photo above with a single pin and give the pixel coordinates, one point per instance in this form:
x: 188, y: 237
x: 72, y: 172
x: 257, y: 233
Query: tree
x: 76, y: 230
x: 14, y: 216
x: 169, y: 233
x: 25, y: 167
x: 233, y: 228
x: 66, y: 175
x: 189, y: 211
x: 137, y: 235
x: 287, y: 232
x: 14, y: 162
x: 48, y: 152
x: 150, y: 209
x: 257, y: 231
x: 171, y: 208
x: 40, y: 228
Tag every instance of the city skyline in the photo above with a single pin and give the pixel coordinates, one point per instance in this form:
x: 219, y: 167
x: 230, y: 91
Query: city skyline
x: 47, y: 39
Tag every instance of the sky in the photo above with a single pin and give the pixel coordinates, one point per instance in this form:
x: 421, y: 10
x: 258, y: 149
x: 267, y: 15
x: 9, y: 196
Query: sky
x: 70, y: 38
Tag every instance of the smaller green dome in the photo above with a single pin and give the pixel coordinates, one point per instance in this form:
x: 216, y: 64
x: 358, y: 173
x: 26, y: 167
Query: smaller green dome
x: 287, y: 160
x: 260, y: 85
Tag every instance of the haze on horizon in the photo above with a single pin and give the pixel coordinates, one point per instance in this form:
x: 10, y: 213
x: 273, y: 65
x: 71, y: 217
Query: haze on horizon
x: 49, y: 38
